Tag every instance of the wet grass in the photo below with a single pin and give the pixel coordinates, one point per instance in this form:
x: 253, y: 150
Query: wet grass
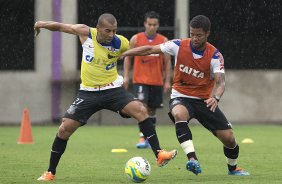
x: 88, y: 157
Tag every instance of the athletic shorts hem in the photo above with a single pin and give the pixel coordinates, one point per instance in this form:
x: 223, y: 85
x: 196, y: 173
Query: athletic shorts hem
x: 72, y: 118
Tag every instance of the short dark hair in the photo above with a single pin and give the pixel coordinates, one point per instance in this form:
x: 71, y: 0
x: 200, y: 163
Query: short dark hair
x: 201, y: 21
x: 151, y: 15
x: 106, y: 17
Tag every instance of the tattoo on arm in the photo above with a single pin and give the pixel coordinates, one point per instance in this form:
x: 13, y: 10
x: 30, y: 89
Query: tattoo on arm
x: 219, y: 84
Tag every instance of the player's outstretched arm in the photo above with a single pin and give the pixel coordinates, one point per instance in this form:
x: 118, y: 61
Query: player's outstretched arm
x: 167, y: 70
x: 75, y: 29
x: 143, y: 51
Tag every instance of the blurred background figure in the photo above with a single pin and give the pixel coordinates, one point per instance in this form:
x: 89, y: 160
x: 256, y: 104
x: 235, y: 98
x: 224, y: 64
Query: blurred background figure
x: 151, y: 74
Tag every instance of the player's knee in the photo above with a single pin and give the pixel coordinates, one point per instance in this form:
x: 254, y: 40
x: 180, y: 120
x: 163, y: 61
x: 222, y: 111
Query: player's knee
x: 229, y: 139
x: 230, y: 143
x: 179, y: 116
x: 65, y: 130
x: 62, y: 132
x: 141, y: 112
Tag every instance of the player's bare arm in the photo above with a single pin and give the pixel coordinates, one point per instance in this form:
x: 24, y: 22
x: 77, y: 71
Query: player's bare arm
x: 167, y: 67
x: 218, y: 91
x: 143, y: 51
x: 127, y: 63
x: 80, y: 30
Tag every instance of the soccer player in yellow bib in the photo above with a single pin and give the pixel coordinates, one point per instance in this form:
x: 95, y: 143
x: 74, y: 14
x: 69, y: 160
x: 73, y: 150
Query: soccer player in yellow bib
x: 101, y: 87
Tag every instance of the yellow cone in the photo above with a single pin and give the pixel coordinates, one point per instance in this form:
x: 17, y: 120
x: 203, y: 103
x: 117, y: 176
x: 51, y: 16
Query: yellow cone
x: 247, y: 141
x: 119, y: 150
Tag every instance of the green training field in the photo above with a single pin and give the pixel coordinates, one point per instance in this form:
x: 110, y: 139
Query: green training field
x: 88, y: 157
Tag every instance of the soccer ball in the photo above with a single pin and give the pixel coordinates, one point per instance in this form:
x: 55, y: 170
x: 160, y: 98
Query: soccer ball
x: 137, y: 169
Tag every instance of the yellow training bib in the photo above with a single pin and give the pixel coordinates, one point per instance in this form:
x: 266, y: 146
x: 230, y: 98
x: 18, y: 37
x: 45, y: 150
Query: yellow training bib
x: 99, y: 61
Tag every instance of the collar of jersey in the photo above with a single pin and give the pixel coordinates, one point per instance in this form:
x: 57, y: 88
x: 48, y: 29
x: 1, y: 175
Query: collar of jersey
x: 115, y: 43
x: 150, y: 38
x: 201, y: 53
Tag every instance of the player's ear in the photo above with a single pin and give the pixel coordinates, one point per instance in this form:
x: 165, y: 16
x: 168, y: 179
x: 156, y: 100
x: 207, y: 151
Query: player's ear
x: 158, y: 25
x: 208, y: 33
x: 98, y: 27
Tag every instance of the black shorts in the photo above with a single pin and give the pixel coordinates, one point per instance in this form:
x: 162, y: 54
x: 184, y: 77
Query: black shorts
x: 198, y: 109
x: 89, y: 102
x: 150, y: 95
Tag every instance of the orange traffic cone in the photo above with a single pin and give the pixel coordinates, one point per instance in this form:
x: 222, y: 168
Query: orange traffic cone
x: 25, y: 136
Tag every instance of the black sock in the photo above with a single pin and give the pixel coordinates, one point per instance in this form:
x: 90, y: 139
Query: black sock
x: 183, y: 134
x: 154, y: 120
x: 231, y: 153
x: 149, y: 132
x: 58, y: 148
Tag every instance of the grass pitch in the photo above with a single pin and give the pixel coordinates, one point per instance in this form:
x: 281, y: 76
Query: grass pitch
x: 88, y: 157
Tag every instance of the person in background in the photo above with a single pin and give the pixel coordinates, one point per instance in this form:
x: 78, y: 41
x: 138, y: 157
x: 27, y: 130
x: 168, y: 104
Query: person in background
x: 151, y: 74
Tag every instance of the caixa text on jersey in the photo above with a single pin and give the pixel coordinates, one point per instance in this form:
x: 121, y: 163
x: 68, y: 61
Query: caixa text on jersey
x: 108, y: 65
